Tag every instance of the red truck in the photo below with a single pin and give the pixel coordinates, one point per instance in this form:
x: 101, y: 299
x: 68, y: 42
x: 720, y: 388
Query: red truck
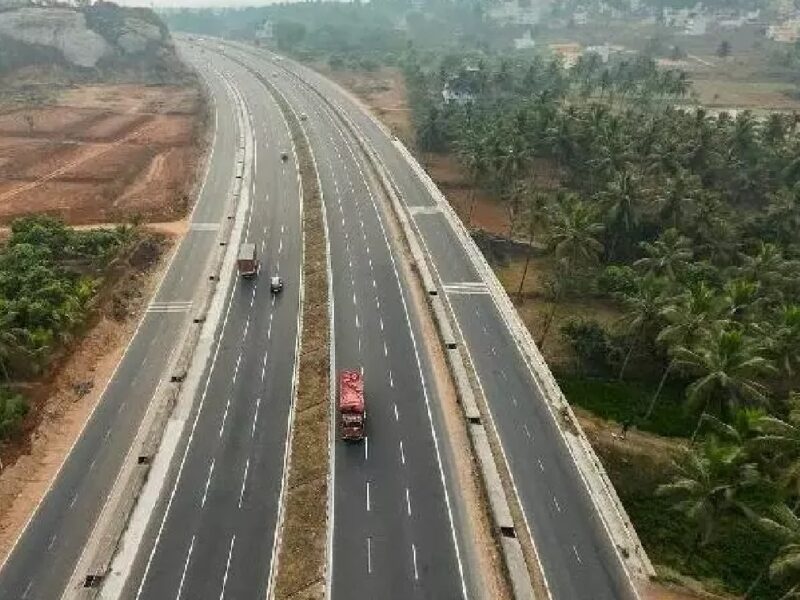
x: 352, y: 413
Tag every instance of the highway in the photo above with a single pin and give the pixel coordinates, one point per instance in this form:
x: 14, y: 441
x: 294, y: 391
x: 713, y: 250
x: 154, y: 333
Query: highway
x: 393, y: 532
x: 213, y: 534
x: 44, y: 556
x: 576, y: 554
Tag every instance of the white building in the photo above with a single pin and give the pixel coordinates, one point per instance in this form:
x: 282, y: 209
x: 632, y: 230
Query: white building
x: 580, y: 17
x: 603, y: 51
x: 525, y: 42
x: 265, y: 32
x: 511, y: 13
x: 787, y: 32
x: 696, y: 25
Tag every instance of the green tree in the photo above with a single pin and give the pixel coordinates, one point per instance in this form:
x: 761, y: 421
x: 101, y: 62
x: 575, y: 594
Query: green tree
x: 783, y: 525
x: 535, y: 217
x: 727, y: 364
x: 642, y: 313
x: 667, y: 256
x: 710, y: 483
x: 573, y: 229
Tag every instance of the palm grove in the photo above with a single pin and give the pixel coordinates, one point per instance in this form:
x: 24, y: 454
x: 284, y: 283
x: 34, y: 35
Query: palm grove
x: 689, y: 222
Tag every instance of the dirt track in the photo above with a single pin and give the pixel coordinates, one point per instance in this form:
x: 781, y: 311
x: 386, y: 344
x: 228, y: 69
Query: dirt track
x: 101, y: 154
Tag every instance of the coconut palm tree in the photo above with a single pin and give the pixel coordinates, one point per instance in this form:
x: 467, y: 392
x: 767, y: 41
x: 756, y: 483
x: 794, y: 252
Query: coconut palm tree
x: 642, y: 312
x: 573, y: 229
x: 779, y: 440
x: 784, y: 525
x: 622, y: 199
x: 471, y: 152
x: 535, y: 217
x: 573, y: 232
x: 667, y: 256
x: 688, y: 316
x: 784, y: 339
x: 726, y: 363
x: 710, y: 480
x: 742, y: 298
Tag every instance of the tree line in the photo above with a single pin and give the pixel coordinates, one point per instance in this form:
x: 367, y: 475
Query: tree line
x: 49, y: 276
x: 689, y: 222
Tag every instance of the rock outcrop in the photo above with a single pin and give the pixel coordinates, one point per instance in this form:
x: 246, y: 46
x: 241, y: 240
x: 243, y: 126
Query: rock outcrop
x: 90, y: 42
x: 62, y: 29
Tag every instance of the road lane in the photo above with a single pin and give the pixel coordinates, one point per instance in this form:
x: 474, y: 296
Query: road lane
x: 578, y: 557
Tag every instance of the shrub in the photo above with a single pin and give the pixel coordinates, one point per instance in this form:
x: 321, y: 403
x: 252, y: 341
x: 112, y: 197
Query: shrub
x: 591, y: 345
x: 615, y: 280
x: 13, y: 409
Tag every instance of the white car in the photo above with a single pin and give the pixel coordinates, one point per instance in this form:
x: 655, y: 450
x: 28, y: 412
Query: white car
x: 275, y: 284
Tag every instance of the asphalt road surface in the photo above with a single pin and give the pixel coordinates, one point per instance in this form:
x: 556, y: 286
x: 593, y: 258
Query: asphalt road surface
x: 393, y: 533
x: 45, y: 555
x: 213, y: 532
x: 577, y: 556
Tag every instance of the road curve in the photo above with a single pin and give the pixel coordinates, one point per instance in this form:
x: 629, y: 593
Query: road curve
x: 393, y: 532
x: 212, y: 534
x: 45, y: 554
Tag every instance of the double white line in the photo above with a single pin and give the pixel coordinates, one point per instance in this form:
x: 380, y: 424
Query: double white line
x: 169, y: 307
x: 466, y: 287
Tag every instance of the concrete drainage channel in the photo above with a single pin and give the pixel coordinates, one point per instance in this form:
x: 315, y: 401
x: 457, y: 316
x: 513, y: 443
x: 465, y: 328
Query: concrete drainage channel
x: 184, y: 368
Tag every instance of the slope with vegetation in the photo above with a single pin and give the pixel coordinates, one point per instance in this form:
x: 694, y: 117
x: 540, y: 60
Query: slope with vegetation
x: 50, y: 282
x: 685, y: 227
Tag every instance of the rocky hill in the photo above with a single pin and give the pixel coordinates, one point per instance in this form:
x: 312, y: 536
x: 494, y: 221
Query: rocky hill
x: 101, y: 42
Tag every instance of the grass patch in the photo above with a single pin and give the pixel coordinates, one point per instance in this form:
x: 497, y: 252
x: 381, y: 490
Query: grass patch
x: 623, y: 401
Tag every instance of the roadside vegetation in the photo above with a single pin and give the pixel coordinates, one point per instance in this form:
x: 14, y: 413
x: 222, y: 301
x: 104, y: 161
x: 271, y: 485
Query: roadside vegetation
x: 683, y: 226
x: 50, y: 276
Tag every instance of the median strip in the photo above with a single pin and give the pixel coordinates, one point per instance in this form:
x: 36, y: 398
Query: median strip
x: 300, y: 560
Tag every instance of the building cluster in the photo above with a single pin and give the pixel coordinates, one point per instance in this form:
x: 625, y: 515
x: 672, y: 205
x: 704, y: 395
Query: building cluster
x: 691, y: 21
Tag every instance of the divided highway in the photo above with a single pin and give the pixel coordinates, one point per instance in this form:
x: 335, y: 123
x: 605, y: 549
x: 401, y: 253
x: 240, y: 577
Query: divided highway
x: 577, y: 556
x: 44, y: 556
x: 393, y: 533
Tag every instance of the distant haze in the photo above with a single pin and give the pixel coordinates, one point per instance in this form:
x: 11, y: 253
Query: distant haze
x: 195, y: 3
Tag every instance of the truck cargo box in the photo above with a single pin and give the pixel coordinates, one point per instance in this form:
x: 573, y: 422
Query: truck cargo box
x: 247, y: 262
